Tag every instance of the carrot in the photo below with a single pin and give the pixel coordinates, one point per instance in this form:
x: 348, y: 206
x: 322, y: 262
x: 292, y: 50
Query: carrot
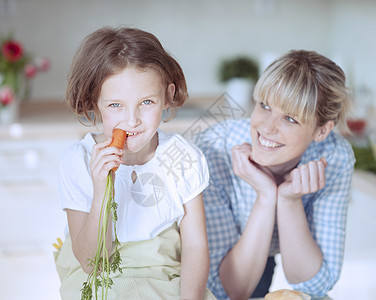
x: 119, y: 137
x: 99, y: 277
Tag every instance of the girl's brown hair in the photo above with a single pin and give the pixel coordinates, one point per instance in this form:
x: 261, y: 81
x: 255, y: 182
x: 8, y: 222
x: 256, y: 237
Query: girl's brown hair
x: 107, y: 52
x: 308, y: 86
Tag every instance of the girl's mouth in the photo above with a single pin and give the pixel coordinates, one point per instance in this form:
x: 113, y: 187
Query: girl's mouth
x: 131, y: 133
x: 268, y: 143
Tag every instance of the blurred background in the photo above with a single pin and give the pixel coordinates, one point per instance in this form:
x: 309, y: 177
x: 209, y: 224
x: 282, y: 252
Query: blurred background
x: 201, y: 35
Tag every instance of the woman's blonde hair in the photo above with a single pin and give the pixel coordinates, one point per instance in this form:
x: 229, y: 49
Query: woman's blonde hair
x: 308, y: 86
x: 107, y: 52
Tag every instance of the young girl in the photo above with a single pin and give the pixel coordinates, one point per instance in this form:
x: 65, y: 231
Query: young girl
x: 126, y: 79
x: 280, y: 182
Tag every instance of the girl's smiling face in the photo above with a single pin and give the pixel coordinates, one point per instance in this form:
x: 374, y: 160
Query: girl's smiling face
x: 279, y: 140
x: 133, y: 100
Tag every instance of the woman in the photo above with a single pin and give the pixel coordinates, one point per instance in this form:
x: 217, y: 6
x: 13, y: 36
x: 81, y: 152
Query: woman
x: 280, y: 182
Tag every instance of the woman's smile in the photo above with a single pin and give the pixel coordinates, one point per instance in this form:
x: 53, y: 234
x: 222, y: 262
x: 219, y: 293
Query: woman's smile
x: 267, y: 143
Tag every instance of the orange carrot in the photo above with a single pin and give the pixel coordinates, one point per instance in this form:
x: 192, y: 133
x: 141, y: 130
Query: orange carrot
x: 101, y: 260
x: 119, y: 137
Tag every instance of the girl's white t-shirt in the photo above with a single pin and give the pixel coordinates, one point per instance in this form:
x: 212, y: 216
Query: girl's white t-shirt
x: 176, y: 174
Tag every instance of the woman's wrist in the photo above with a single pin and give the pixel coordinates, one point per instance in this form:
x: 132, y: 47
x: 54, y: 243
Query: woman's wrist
x: 291, y: 200
x: 268, y: 197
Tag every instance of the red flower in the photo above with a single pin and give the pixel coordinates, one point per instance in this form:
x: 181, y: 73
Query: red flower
x: 30, y: 70
x: 6, y: 95
x: 12, y: 50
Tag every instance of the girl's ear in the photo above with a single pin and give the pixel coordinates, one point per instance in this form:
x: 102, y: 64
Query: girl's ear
x: 169, y: 95
x: 323, y: 131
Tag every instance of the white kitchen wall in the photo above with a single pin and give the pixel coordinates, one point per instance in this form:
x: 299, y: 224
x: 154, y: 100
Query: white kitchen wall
x: 353, y: 40
x: 200, y: 33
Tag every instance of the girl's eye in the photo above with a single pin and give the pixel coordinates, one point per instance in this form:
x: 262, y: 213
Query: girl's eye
x: 264, y: 106
x: 147, y: 102
x: 291, y: 120
x: 115, y: 104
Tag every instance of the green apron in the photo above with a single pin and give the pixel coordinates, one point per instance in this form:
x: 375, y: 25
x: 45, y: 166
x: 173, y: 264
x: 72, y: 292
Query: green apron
x: 151, y: 270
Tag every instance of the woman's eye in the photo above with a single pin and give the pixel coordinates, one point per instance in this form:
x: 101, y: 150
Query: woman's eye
x: 115, y: 104
x: 147, y: 102
x: 291, y: 120
x: 264, y: 106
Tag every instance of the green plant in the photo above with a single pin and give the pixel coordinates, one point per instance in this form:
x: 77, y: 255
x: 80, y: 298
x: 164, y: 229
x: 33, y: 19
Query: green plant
x: 240, y: 66
x: 365, y: 159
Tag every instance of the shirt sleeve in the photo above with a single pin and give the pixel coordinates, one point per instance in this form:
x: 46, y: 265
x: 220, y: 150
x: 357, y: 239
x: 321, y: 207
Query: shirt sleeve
x: 75, y: 184
x: 221, y: 227
x: 327, y: 219
x: 191, y: 173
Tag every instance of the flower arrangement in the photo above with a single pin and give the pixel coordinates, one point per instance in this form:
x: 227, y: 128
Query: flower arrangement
x: 16, y: 69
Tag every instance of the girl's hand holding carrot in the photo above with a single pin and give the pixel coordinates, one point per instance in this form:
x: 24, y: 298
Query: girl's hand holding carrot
x: 104, y: 158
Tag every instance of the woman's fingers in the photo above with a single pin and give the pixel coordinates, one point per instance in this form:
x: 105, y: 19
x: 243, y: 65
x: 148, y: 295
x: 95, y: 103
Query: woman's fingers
x: 240, y: 157
x: 256, y: 176
x: 295, y: 181
x: 314, y: 177
x: 309, y: 178
x: 305, y: 179
x: 321, y: 170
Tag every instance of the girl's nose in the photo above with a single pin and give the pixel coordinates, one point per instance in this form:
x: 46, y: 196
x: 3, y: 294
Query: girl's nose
x: 133, y: 118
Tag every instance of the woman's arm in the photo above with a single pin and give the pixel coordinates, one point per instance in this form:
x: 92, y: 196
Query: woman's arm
x: 83, y: 227
x: 195, y: 251
x: 243, y: 266
x: 327, y: 225
x: 301, y: 256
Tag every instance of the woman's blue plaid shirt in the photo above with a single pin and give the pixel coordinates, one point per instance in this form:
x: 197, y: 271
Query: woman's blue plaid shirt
x: 229, y: 199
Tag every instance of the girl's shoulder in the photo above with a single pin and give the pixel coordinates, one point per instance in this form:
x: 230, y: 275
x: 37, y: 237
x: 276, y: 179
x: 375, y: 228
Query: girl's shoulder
x: 183, y: 162
x: 175, y: 144
x: 78, y: 151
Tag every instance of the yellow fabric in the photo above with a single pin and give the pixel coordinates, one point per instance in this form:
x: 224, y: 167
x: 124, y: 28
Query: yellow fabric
x: 151, y: 270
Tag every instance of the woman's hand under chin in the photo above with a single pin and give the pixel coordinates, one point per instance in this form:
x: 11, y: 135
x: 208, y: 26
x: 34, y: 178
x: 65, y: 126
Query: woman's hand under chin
x: 305, y: 179
x: 260, y: 178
